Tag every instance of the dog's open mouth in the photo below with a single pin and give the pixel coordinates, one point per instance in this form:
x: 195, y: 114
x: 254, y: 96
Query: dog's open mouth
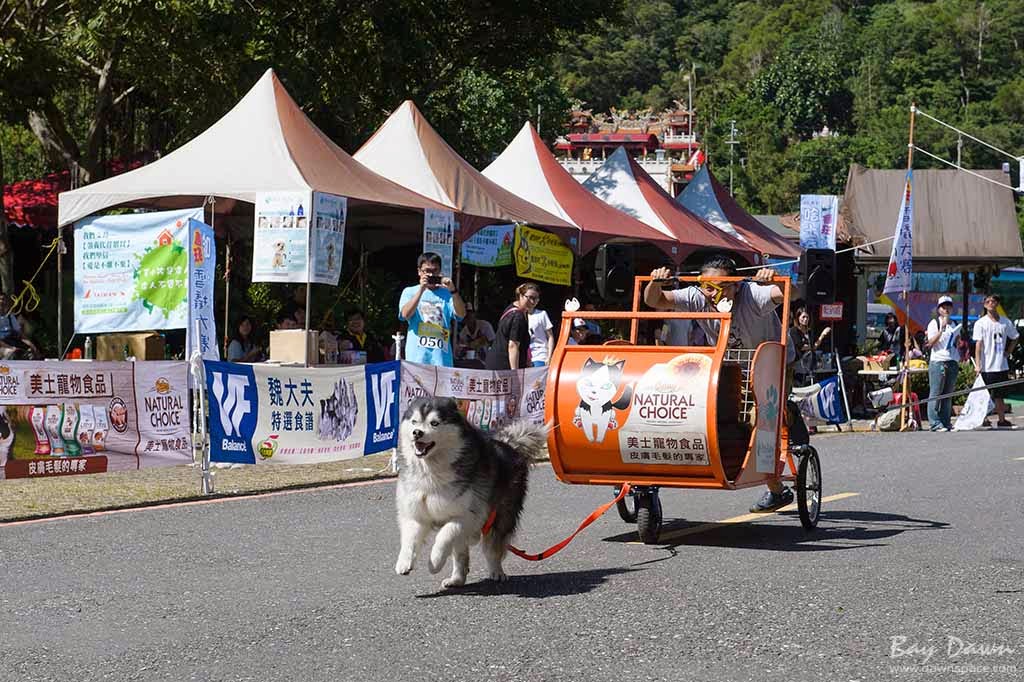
x: 422, y: 448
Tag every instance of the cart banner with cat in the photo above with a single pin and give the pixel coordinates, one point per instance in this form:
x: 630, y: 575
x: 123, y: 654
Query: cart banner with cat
x: 541, y: 256
x: 280, y: 238
x: 329, y: 214
x: 489, y: 399
x: 62, y: 418
x: 132, y: 271
x: 298, y: 415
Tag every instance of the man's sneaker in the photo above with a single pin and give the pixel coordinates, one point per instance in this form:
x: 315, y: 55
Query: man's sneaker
x: 770, y: 501
x: 1005, y: 424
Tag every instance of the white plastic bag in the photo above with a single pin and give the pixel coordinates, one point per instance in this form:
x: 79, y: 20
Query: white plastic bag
x: 977, y: 407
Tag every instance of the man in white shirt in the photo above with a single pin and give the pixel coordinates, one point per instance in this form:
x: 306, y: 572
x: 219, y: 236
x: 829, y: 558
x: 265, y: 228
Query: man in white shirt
x: 995, y: 338
x: 542, y: 341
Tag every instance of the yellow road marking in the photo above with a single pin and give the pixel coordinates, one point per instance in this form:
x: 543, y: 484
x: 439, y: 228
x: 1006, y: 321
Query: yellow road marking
x: 743, y: 518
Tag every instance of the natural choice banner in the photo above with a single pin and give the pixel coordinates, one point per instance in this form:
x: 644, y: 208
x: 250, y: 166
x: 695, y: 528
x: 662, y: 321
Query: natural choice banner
x: 132, y: 272
x: 329, y: 214
x: 542, y: 256
x: 491, y: 247
x: 278, y: 414
x: 63, y: 418
x: 280, y: 242
x: 488, y: 399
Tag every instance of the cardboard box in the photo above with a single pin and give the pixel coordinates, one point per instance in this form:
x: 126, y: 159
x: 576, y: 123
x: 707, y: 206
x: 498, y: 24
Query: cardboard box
x: 293, y: 345
x: 141, y: 346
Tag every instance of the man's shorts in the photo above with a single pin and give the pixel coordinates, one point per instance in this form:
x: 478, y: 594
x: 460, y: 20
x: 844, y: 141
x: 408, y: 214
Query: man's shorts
x: 994, y: 378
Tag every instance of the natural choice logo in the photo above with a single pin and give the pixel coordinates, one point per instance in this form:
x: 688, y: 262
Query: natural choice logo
x: 161, y: 280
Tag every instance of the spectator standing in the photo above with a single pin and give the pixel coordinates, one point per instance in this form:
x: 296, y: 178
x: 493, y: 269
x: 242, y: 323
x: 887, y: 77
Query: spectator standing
x: 942, y: 365
x: 806, y: 349
x: 579, y: 333
x: 242, y: 348
x: 355, y: 337
x: 430, y: 307
x: 542, y: 340
x: 512, y: 340
x: 995, y: 337
x: 475, y: 334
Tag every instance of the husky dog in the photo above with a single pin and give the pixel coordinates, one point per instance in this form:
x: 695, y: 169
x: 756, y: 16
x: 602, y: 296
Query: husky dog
x: 452, y: 477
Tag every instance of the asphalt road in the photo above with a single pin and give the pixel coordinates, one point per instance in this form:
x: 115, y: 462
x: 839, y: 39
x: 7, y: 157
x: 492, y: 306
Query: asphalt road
x: 301, y: 586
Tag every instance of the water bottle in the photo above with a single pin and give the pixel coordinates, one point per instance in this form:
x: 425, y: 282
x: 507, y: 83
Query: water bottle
x: 127, y: 352
x: 88, y: 348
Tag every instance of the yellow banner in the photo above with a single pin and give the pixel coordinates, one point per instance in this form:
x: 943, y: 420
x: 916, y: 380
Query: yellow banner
x: 542, y: 256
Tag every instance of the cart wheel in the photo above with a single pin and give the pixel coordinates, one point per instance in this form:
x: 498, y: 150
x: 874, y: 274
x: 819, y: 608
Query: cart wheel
x: 628, y: 515
x: 648, y: 516
x: 808, y: 488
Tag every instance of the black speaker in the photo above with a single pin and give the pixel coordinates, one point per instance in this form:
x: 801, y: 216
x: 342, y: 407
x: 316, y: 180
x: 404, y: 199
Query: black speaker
x: 818, y: 275
x: 613, y: 272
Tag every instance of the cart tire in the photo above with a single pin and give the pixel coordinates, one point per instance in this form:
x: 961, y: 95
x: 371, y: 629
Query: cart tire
x: 623, y: 506
x: 648, y: 516
x: 808, y: 489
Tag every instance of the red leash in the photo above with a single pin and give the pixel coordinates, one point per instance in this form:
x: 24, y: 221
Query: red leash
x: 555, y: 549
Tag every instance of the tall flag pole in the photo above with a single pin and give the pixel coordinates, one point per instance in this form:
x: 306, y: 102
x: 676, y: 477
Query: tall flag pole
x: 901, y: 260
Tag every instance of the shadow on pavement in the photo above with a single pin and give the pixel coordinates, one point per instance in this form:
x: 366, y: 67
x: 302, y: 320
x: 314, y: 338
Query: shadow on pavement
x: 840, y: 530
x: 535, y: 586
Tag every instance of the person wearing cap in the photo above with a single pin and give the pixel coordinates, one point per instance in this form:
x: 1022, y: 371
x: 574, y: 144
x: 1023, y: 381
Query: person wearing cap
x: 579, y: 332
x: 995, y: 338
x: 475, y: 336
x: 942, y: 365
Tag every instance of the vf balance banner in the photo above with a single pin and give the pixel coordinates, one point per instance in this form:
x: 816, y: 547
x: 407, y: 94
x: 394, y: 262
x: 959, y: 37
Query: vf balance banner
x: 132, y: 271
x: 277, y: 414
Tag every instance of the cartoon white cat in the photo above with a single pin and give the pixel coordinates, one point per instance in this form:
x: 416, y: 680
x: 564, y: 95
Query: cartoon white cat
x: 597, y: 385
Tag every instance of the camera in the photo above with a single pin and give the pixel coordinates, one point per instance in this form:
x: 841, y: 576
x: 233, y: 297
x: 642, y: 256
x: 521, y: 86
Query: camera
x: 434, y: 279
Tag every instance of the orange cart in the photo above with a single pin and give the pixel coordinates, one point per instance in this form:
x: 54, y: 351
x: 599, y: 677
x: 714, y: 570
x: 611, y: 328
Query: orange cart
x: 674, y: 417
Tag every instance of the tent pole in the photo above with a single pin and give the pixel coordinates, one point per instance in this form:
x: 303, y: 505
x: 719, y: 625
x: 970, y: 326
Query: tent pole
x: 61, y: 250
x: 227, y: 286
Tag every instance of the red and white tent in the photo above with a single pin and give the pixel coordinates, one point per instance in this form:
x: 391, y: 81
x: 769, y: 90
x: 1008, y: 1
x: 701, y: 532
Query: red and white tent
x: 622, y: 183
x: 407, y: 150
x: 528, y: 169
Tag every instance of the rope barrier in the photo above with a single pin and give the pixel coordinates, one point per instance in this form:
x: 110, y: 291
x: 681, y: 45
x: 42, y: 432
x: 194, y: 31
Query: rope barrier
x: 19, y: 304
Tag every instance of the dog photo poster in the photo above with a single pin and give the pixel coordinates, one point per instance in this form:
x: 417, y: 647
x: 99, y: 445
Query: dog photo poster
x: 280, y: 242
x: 329, y: 214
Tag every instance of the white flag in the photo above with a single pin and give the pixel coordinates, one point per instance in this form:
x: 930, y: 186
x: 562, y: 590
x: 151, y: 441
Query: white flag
x: 901, y: 260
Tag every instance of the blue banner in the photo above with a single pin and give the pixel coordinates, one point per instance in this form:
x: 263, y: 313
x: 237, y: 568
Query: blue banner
x: 382, y: 382
x: 828, y: 403
x: 202, y: 264
x: 234, y: 409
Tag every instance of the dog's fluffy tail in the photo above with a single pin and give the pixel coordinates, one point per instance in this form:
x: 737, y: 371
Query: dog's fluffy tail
x: 528, y: 439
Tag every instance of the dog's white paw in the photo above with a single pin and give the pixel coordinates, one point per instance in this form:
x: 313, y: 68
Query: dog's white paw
x: 453, y: 582
x: 498, y: 576
x: 404, y: 565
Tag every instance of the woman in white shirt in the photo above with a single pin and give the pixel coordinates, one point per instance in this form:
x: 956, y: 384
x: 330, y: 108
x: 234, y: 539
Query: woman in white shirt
x: 542, y: 341
x: 942, y: 365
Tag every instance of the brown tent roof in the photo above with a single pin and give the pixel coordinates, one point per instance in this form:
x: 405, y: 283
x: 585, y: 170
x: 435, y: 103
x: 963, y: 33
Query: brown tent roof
x: 960, y: 221
x: 407, y: 150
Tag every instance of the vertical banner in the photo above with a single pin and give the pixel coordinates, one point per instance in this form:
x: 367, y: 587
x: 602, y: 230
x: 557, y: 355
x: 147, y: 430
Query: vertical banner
x: 131, y: 272
x: 818, y: 216
x: 202, y: 267
x: 329, y: 215
x: 542, y: 256
x: 491, y: 247
x: 439, y: 237
x: 901, y: 259
x: 63, y: 418
x: 297, y: 415
x: 280, y: 242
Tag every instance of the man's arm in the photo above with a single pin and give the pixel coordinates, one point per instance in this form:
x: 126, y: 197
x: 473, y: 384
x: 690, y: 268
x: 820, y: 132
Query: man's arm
x: 408, y: 309
x: 764, y: 276
x: 654, y: 296
x: 458, y: 305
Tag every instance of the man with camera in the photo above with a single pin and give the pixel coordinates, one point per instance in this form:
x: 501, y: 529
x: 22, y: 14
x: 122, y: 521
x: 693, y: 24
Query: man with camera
x: 430, y: 308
